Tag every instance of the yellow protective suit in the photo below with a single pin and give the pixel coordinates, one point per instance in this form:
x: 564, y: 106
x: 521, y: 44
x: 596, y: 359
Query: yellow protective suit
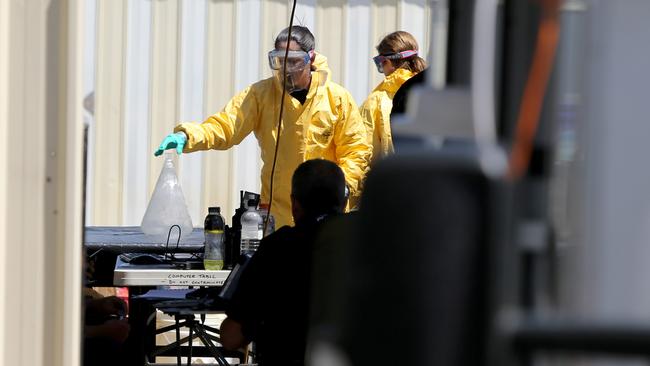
x: 375, y: 112
x: 326, y: 126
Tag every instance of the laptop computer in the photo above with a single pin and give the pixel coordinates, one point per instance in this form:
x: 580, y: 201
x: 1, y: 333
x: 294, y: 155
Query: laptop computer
x: 215, y: 297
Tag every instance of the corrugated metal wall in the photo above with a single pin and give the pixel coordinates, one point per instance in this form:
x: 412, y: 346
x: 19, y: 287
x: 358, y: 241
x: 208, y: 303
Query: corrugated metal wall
x: 151, y: 64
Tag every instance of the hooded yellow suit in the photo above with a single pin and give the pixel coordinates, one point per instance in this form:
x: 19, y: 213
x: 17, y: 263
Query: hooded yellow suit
x: 326, y: 126
x: 375, y: 112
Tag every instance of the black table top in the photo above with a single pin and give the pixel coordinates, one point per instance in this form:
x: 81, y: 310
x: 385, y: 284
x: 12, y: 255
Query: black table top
x: 129, y: 239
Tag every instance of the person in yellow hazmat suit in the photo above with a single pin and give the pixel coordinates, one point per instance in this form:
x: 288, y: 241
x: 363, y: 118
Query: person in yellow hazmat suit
x: 398, y: 60
x: 320, y: 120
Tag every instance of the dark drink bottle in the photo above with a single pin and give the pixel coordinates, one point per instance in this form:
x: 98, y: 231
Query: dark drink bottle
x: 215, y: 248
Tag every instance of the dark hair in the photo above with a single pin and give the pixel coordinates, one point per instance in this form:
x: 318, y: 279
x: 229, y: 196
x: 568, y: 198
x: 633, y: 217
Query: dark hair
x: 402, y: 41
x: 299, y: 34
x: 319, y: 186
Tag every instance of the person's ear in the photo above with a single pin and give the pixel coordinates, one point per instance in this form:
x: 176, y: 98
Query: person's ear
x: 312, y: 57
x: 296, y: 209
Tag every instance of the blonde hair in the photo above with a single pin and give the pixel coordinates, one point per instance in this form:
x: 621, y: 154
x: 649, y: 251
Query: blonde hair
x: 400, y: 41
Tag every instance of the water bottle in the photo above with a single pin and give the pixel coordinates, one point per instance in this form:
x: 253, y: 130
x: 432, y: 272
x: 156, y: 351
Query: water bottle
x: 213, y: 257
x: 264, y: 212
x: 251, y: 229
x: 233, y: 234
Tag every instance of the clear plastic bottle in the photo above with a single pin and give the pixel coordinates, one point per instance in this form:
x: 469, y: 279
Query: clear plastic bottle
x: 251, y: 229
x: 214, y: 229
x: 264, y: 212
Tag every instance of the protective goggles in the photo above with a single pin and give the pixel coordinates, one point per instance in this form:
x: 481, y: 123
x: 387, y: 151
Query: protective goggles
x: 296, y: 60
x: 380, y: 59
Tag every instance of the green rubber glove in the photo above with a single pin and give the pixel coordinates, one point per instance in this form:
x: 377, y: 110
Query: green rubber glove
x: 173, y: 140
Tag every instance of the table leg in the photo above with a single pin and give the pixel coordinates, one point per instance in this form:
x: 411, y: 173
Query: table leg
x: 189, y: 357
x: 142, y: 337
x: 178, y: 339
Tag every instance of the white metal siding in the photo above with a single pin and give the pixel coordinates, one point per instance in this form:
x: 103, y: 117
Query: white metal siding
x: 159, y: 63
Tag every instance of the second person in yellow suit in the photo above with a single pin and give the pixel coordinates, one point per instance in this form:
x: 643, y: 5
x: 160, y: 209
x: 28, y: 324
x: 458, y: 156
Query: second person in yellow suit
x: 398, y: 60
x: 320, y: 120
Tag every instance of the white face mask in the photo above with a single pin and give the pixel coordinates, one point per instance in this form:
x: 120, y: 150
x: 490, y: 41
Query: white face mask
x: 288, y: 80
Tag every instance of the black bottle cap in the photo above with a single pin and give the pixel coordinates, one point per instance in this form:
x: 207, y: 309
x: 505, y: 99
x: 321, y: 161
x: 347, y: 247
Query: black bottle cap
x: 214, y: 209
x: 252, y: 202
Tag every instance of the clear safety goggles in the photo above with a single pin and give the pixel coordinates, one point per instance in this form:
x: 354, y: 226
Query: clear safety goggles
x: 380, y: 59
x: 296, y: 60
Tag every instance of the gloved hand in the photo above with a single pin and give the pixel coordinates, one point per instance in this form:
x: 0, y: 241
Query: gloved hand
x: 173, y: 140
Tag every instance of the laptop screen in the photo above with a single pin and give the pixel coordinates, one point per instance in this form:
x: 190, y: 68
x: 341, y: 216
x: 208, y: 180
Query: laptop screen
x: 231, y: 282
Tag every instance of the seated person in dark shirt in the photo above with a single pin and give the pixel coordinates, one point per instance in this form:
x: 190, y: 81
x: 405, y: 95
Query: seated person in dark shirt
x: 105, y: 330
x: 400, y: 100
x: 270, y: 305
